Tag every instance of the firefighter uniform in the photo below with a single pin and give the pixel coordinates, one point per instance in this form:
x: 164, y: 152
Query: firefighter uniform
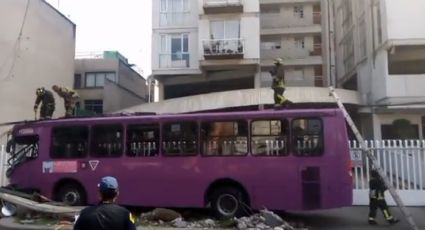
x: 45, y: 97
x: 377, y: 199
x: 278, y: 84
x: 69, y: 96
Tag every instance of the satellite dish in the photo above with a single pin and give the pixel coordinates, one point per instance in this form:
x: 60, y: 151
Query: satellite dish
x: 8, y: 209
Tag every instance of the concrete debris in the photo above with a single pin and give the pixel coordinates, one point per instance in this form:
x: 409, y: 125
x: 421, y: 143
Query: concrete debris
x: 264, y: 220
x: 179, y: 223
x: 161, y: 214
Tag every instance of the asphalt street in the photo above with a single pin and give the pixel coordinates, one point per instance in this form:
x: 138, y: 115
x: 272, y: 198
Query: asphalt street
x: 354, y: 218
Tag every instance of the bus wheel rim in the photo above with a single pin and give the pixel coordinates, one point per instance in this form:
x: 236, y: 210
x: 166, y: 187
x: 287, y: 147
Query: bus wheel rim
x: 71, y: 197
x: 227, y: 204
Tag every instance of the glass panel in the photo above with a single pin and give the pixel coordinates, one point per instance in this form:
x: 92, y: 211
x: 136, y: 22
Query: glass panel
x: 100, y: 79
x: 307, y: 137
x: 143, y: 140
x: 163, y: 6
x: 269, y: 138
x: 224, y: 138
x: 180, y: 139
x: 90, y: 80
x: 106, y: 141
x: 217, y: 30
x: 232, y: 29
x: 69, y: 142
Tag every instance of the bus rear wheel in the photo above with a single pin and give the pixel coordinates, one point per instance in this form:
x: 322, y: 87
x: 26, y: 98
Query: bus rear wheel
x: 71, y: 194
x: 228, y: 202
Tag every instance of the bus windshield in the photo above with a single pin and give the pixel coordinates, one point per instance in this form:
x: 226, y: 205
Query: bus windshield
x: 22, y: 148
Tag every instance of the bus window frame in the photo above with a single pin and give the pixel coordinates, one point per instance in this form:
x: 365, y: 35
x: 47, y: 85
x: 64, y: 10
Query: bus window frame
x: 126, y: 149
x: 91, y: 155
x: 322, y: 132
x: 87, y: 151
x: 247, y: 123
x: 162, y: 151
x: 288, y: 136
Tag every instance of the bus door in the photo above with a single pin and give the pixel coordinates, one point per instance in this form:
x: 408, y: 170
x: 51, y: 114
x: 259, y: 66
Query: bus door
x: 307, y: 142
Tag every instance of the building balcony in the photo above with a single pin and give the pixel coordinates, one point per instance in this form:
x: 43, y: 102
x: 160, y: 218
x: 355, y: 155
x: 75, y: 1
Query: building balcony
x: 263, y: 2
x: 172, y: 19
x: 223, y: 49
x: 294, y: 61
x: 274, y: 24
x: 222, y: 6
x: 174, y: 61
x: 292, y: 53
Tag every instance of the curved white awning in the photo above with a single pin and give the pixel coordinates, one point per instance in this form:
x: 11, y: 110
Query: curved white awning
x: 242, y: 98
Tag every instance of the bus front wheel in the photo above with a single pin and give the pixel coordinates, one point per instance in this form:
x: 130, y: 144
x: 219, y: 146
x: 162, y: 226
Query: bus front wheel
x: 228, y: 202
x: 71, y: 194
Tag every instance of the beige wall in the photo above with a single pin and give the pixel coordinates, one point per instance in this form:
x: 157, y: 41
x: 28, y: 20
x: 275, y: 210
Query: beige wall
x: 44, y: 56
x: 117, y: 98
x: 132, y: 81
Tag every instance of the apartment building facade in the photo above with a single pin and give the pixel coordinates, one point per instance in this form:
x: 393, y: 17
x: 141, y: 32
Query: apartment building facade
x: 106, y: 83
x: 205, y: 46
x: 37, y: 46
x: 380, y: 48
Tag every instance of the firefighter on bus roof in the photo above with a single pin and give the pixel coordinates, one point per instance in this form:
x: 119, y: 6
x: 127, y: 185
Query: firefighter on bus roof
x: 278, y: 83
x: 377, y: 199
x: 45, y: 97
x: 70, y: 97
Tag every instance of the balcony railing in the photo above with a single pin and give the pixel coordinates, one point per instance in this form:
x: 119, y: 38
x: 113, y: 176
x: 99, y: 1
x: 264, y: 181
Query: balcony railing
x: 223, y: 48
x: 222, y: 6
x: 176, y: 60
x: 174, y: 18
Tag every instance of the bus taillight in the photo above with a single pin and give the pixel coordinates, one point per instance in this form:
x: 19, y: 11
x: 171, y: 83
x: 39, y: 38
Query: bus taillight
x: 350, y: 168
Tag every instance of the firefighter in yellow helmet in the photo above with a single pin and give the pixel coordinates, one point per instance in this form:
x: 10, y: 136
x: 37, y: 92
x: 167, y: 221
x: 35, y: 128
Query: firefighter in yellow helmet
x: 70, y: 98
x: 45, y: 97
x: 278, y: 83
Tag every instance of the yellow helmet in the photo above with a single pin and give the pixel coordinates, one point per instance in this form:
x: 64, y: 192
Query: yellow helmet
x: 278, y: 61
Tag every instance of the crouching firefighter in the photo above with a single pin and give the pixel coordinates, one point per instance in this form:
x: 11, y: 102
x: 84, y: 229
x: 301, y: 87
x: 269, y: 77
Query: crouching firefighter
x: 377, y: 199
x: 45, y: 97
x: 70, y: 98
x: 278, y: 83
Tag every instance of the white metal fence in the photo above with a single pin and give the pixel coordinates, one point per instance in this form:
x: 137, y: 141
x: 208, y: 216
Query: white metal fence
x: 403, y: 162
x: 3, y: 166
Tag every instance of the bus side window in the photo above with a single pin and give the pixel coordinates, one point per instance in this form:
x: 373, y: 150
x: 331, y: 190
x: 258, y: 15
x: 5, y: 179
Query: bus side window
x: 106, y: 141
x: 69, y: 142
x: 142, y: 140
x: 269, y: 137
x: 307, y: 137
x: 224, y: 138
x: 180, y: 139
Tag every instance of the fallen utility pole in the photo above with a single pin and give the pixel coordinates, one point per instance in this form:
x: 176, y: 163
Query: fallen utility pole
x: 374, y: 161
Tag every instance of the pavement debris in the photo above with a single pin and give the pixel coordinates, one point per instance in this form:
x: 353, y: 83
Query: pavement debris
x: 265, y: 219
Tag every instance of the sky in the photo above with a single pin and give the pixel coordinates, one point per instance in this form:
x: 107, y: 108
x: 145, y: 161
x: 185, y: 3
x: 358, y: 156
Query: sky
x: 121, y: 25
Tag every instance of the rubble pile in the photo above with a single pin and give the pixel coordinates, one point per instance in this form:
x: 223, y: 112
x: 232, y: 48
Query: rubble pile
x: 264, y: 220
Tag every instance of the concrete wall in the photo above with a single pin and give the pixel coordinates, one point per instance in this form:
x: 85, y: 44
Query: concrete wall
x: 132, y: 81
x: 43, y: 56
x: 118, y: 98
x: 404, y: 19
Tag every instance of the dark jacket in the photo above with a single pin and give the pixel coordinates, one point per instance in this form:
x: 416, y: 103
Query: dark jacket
x: 105, y: 216
x: 377, y: 187
x: 46, y: 99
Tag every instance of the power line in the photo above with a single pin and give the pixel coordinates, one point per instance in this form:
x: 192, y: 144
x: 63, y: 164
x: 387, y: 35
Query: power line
x: 17, y: 45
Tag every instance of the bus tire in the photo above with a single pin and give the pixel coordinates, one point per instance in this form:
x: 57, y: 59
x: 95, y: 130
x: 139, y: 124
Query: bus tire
x: 228, y: 202
x: 71, y: 194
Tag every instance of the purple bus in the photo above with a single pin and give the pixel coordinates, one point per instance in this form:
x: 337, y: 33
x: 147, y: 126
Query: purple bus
x: 279, y: 159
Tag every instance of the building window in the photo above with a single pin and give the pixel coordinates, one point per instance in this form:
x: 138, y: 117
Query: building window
x: 174, y: 51
x: 225, y: 29
x: 225, y: 138
x: 143, y: 140
x: 94, y: 80
x: 299, y: 43
x: 174, y: 12
x: 269, y: 137
x: 69, y: 142
x: 106, y: 141
x: 180, y: 139
x: 77, y: 81
x: 94, y: 106
x: 400, y: 129
x: 299, y: 11
x: 307, y: 137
